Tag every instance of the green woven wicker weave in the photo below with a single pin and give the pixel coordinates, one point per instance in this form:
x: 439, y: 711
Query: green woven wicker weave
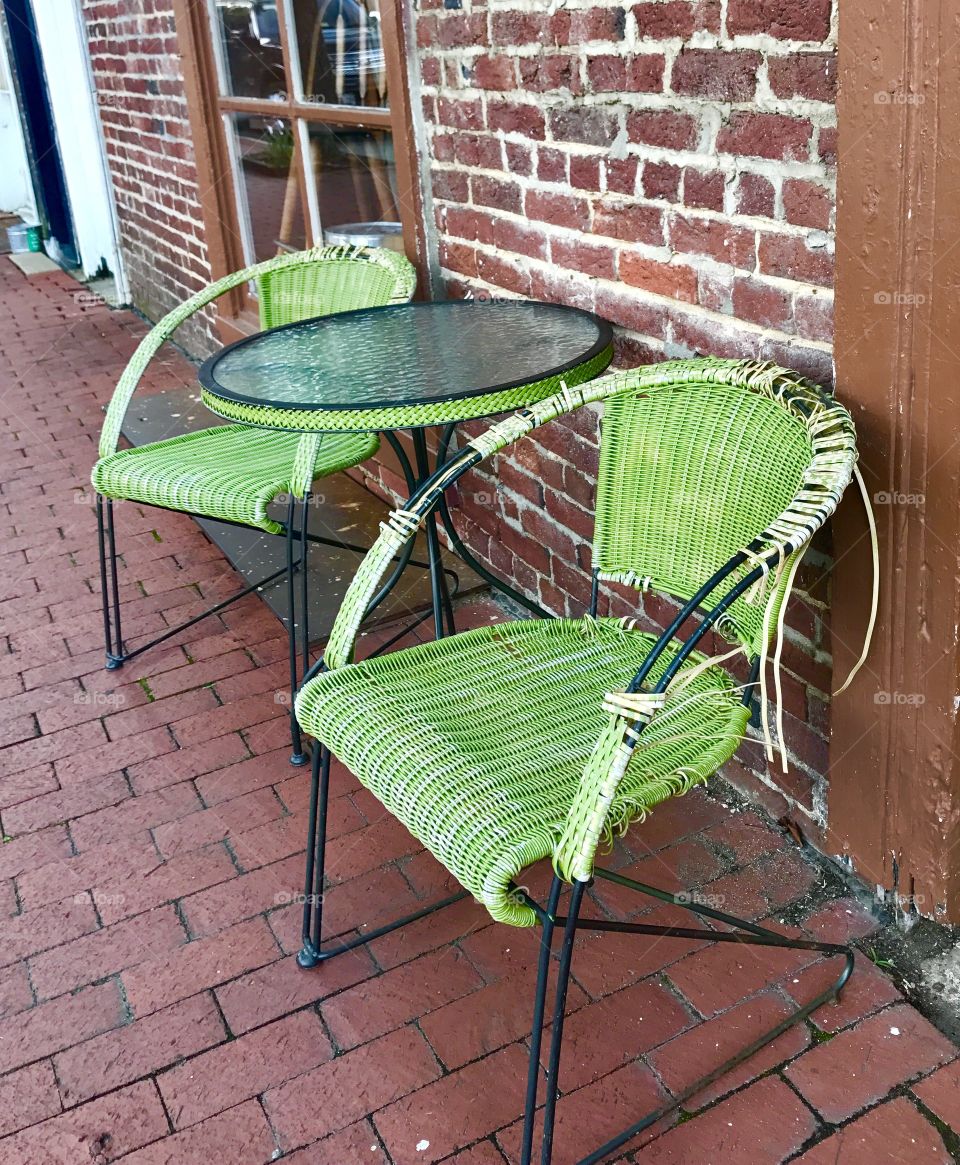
x: 231, y: 472
x: 408, y: 416
x: 511, y: 743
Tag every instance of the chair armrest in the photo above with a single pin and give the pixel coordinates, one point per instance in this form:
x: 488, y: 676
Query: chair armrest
x: 161, y: 332
x: 404, y: 522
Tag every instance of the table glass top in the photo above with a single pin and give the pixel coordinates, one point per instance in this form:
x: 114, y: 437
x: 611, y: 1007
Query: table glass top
x: 406, y: 354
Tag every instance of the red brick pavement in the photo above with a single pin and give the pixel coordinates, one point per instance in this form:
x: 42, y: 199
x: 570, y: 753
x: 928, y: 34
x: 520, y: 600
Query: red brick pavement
x: 150, y: 1007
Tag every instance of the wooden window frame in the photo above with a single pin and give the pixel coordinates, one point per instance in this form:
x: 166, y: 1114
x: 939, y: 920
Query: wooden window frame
x: 219, y: 204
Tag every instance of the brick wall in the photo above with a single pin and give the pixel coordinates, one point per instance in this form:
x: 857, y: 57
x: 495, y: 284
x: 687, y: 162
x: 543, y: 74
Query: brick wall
x: 669, y: 164
x: 143, y: 109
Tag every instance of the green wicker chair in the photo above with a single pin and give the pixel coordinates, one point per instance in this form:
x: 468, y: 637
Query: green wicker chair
x: 539, y: 739
x: 231, y: 473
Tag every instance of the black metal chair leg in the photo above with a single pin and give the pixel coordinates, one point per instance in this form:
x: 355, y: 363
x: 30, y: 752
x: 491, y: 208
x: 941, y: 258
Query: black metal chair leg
x: 297, y: 757
x: 539, y: 1009
x: 556, y: 1035
x: 310, y: 954
x: 109, y: 584
x: 304, y: 586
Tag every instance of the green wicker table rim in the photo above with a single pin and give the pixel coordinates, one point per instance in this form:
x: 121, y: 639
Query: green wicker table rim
x: 410, y: 366
x: 405, y: 365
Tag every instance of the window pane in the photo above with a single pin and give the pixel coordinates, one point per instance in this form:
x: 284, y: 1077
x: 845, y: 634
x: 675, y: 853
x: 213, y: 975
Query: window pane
x: 246, y: 36
x: 353, y: 175
x: 268, y: 192
x: 340, y: 51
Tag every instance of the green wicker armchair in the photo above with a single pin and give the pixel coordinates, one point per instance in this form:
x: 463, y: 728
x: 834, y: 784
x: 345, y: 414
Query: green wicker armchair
x: 539, y: 739
x: 232, y: 473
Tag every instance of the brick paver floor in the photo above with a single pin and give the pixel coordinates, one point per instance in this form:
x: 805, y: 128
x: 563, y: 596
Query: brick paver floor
x: 151, y: 1010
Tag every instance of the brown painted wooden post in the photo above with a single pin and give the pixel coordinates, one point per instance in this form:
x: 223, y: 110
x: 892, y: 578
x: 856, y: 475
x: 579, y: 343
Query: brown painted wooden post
x: 894, y: 804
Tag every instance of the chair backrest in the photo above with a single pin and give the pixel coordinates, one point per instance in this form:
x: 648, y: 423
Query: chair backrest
x: 335, y: 279
x: 691, y: 473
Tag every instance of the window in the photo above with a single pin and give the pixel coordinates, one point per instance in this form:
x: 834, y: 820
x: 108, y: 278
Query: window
x: 306, y: 107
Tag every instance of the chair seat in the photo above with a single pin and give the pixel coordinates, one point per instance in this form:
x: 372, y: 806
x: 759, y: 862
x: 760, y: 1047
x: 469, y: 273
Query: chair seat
x: 477, y: 742
x: 231, y: 472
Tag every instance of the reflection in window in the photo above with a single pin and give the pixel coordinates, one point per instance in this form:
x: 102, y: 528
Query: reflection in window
x: 353, y: 174
x: 341, y: 51
x: 267, y: 185
x: 247, y: 40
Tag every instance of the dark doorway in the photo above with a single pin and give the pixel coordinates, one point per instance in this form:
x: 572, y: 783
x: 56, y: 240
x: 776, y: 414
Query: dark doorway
x: 45, y: 162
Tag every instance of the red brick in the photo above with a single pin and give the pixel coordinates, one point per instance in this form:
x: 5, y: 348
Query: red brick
x: 616, y: 74
x: 716, y: 74
x: 520, y: 237
x: 549, y: 71
x: 456, y: 1110
x: 138, y: 1049
x: 628, y: 221
x: 42, y: 749
x: 807, y: 204
x: 713, y: 237
x: 186, y: 763
x: 590, y: 125
x: 496, y: 193
x: 622, y: 175
x: 243, y: 1068
x: 624, y: 308
x: 515, y: 117
x: 352, y: 1085
x: 761, y: 303
x: 499, y: 72
x: 106, y: 951
x: 704, y: 189
x: 37, y: 930
x: 814, y: 316
x: 101, y: 1131
x: 240, y: 1136
x: 65, y: 804
x: 561, y: 210
x: 165, y: 881
x: 784, y: 19
x: 35, y: 1034
x: 69, y: 876
x: 414, y: 989
x: 132, y: 721
x: 765, y: 1122
x: 810, y: 75
x: 357, y: 1143
x: 230, y: 818
x: 29, y: 783
x: 234, y: 781
x: 204, y: 963
x: 147, y: 747
x: 28, y: 1097
x: 273, y: 991
x: 894, y: 1132
x: 585, y: 172
x: 661, y: 180
x: 941, y: 1094
x: 670, y: 279
x: 664, y: 128
x: 859, y: 1066
x: 755, y: 195
x: 867, y: 991
x: 590, y: 1116
x: 15, y: 993
x: 662, y: 20
x: 766, y: 135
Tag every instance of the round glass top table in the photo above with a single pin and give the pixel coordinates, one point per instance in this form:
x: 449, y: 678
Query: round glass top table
x: 409, y: 366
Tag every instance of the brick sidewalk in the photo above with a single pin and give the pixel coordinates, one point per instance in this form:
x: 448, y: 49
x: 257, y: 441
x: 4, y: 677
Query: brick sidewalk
x: 150, y: 1006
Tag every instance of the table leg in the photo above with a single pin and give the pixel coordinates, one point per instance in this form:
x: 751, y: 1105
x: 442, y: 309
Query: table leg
x: 442, y: 606
x: 463, y: 553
